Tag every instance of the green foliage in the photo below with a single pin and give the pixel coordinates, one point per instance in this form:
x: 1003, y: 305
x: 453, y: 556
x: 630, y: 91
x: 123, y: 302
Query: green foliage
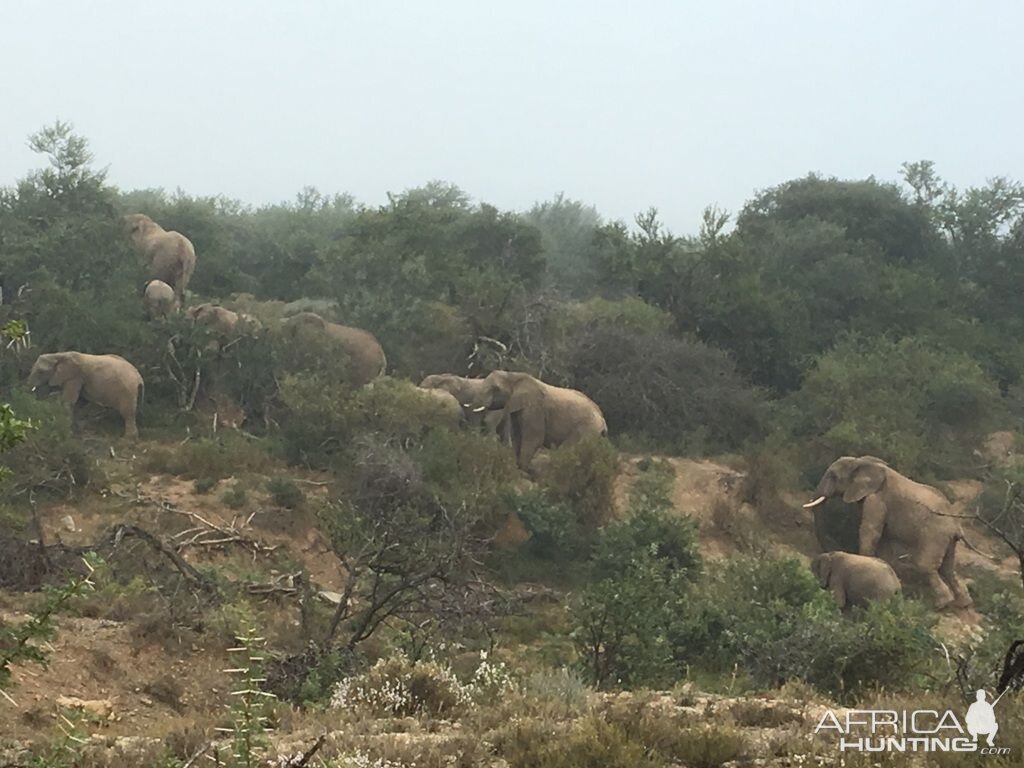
x: 640, y: 573
x: 210, y: 458
x: 922, y: 408
x: 679, y: 394
x: 49, y: 459
x: 285, y: 493
x: 582, y: 477
x: 768, y: 617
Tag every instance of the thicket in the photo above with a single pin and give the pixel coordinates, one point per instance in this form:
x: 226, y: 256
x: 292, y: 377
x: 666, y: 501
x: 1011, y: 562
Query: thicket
x: 833, y: 317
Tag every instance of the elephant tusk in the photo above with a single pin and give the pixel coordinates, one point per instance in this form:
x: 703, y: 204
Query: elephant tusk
x: 35, y: 388
x: 480, y: 408
x: 814, y: 503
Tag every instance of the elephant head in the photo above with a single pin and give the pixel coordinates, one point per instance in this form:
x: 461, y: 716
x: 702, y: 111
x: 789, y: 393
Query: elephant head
x: 140, y: 226
x: 821, y: 567
x: 853, y: 478
x: 495, y: 391
x: 53, y: 370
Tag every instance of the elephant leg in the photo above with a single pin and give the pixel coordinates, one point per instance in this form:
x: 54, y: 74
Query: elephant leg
x: 840, y: 595
x: 131, y: 429
x: 943, y: 595
x: 872, y: 523
x: 70, y: 394
x: 947, y: 571
x: 530, y: 440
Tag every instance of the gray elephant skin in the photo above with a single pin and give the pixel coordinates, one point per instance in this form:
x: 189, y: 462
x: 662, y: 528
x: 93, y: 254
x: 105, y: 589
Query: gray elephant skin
x: 900, y: 515
x: 855, y: 579
x: 106, y: 380
x: 464, y: 390
x: 364, y: 351
x: 170, y: 255
x: 160, y: 299
x: 539, y: 414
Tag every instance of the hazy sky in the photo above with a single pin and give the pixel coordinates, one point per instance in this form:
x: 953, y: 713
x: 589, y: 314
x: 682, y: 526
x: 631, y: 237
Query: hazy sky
x: 621, y: 104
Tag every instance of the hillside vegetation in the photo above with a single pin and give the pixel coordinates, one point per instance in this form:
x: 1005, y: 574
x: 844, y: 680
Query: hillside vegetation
x: 402, y: 588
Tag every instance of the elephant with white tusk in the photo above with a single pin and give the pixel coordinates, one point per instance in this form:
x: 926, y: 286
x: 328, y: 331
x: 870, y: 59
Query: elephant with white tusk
x: 855, y: 579
x: 902, y: 515
x: 107, y: 380
x: 463, y: 390
x: 171, y: 256
x: 539, y: 414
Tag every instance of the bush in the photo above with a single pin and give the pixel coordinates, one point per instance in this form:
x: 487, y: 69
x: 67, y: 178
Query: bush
x: 640, y: 573
x: 769, y: 617
x: 677, y: 393
x: 555, y: 533
x: 397, y: 687
x: 582, y: 477
x: 285, y: 493
x: 920, y: 407
x: 50, y: 459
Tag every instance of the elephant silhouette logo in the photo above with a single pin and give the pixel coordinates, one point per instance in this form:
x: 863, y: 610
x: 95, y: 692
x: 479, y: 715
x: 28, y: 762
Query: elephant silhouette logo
x: 981, y: 718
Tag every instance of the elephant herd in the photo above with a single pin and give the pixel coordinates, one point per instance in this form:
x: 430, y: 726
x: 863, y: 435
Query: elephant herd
x: 526, y: 413
x: 905, y: 526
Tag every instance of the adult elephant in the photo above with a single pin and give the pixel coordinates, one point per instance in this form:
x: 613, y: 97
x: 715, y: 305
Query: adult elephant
x: 170, y: 254
x: 464, y: 390
x: 900, y: 514
x: 855, y: 579
x: 364, y: 351
x: 160, y: 299
x: 107, y: 380
x: 539, y: 414
x: 444, y: 402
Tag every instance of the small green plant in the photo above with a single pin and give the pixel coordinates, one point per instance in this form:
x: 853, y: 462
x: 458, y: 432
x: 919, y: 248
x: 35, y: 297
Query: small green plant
x: 203, y: 485
x: 236, y: 497
x: 285, y: 493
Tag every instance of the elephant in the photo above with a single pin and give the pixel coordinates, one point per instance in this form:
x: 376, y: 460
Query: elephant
x: 463, y: 390
x: 171, y: 256
x: 539, y: 414
x: 364, y: 351
x: 900, y: 514
x: 447, y: 402
x: 160, y: 299
x: 107, y: 380
x: 855, y: 579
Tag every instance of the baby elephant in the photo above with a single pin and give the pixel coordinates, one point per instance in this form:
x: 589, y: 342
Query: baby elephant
x: 106, y: 380
x: 160, y: 299
x: 855, y: 579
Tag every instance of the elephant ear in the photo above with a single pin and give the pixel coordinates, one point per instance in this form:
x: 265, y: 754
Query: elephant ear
x: 63, y: 371
x: 867, y: 479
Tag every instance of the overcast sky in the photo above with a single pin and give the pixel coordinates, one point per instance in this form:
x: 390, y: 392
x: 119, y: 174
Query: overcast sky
x: 624, y: 105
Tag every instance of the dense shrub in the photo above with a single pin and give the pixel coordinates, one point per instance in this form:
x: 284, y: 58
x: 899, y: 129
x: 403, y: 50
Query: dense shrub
x: 681, y: 394
x: 917, y: 406
x: 768, y: 617
x: 639, y: 572
x: 397, y: 687
x: 582, y: 477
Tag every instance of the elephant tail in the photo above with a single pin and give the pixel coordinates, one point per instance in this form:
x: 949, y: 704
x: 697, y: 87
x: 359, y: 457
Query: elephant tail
x: 140, y: 397
x: 960, y: 537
